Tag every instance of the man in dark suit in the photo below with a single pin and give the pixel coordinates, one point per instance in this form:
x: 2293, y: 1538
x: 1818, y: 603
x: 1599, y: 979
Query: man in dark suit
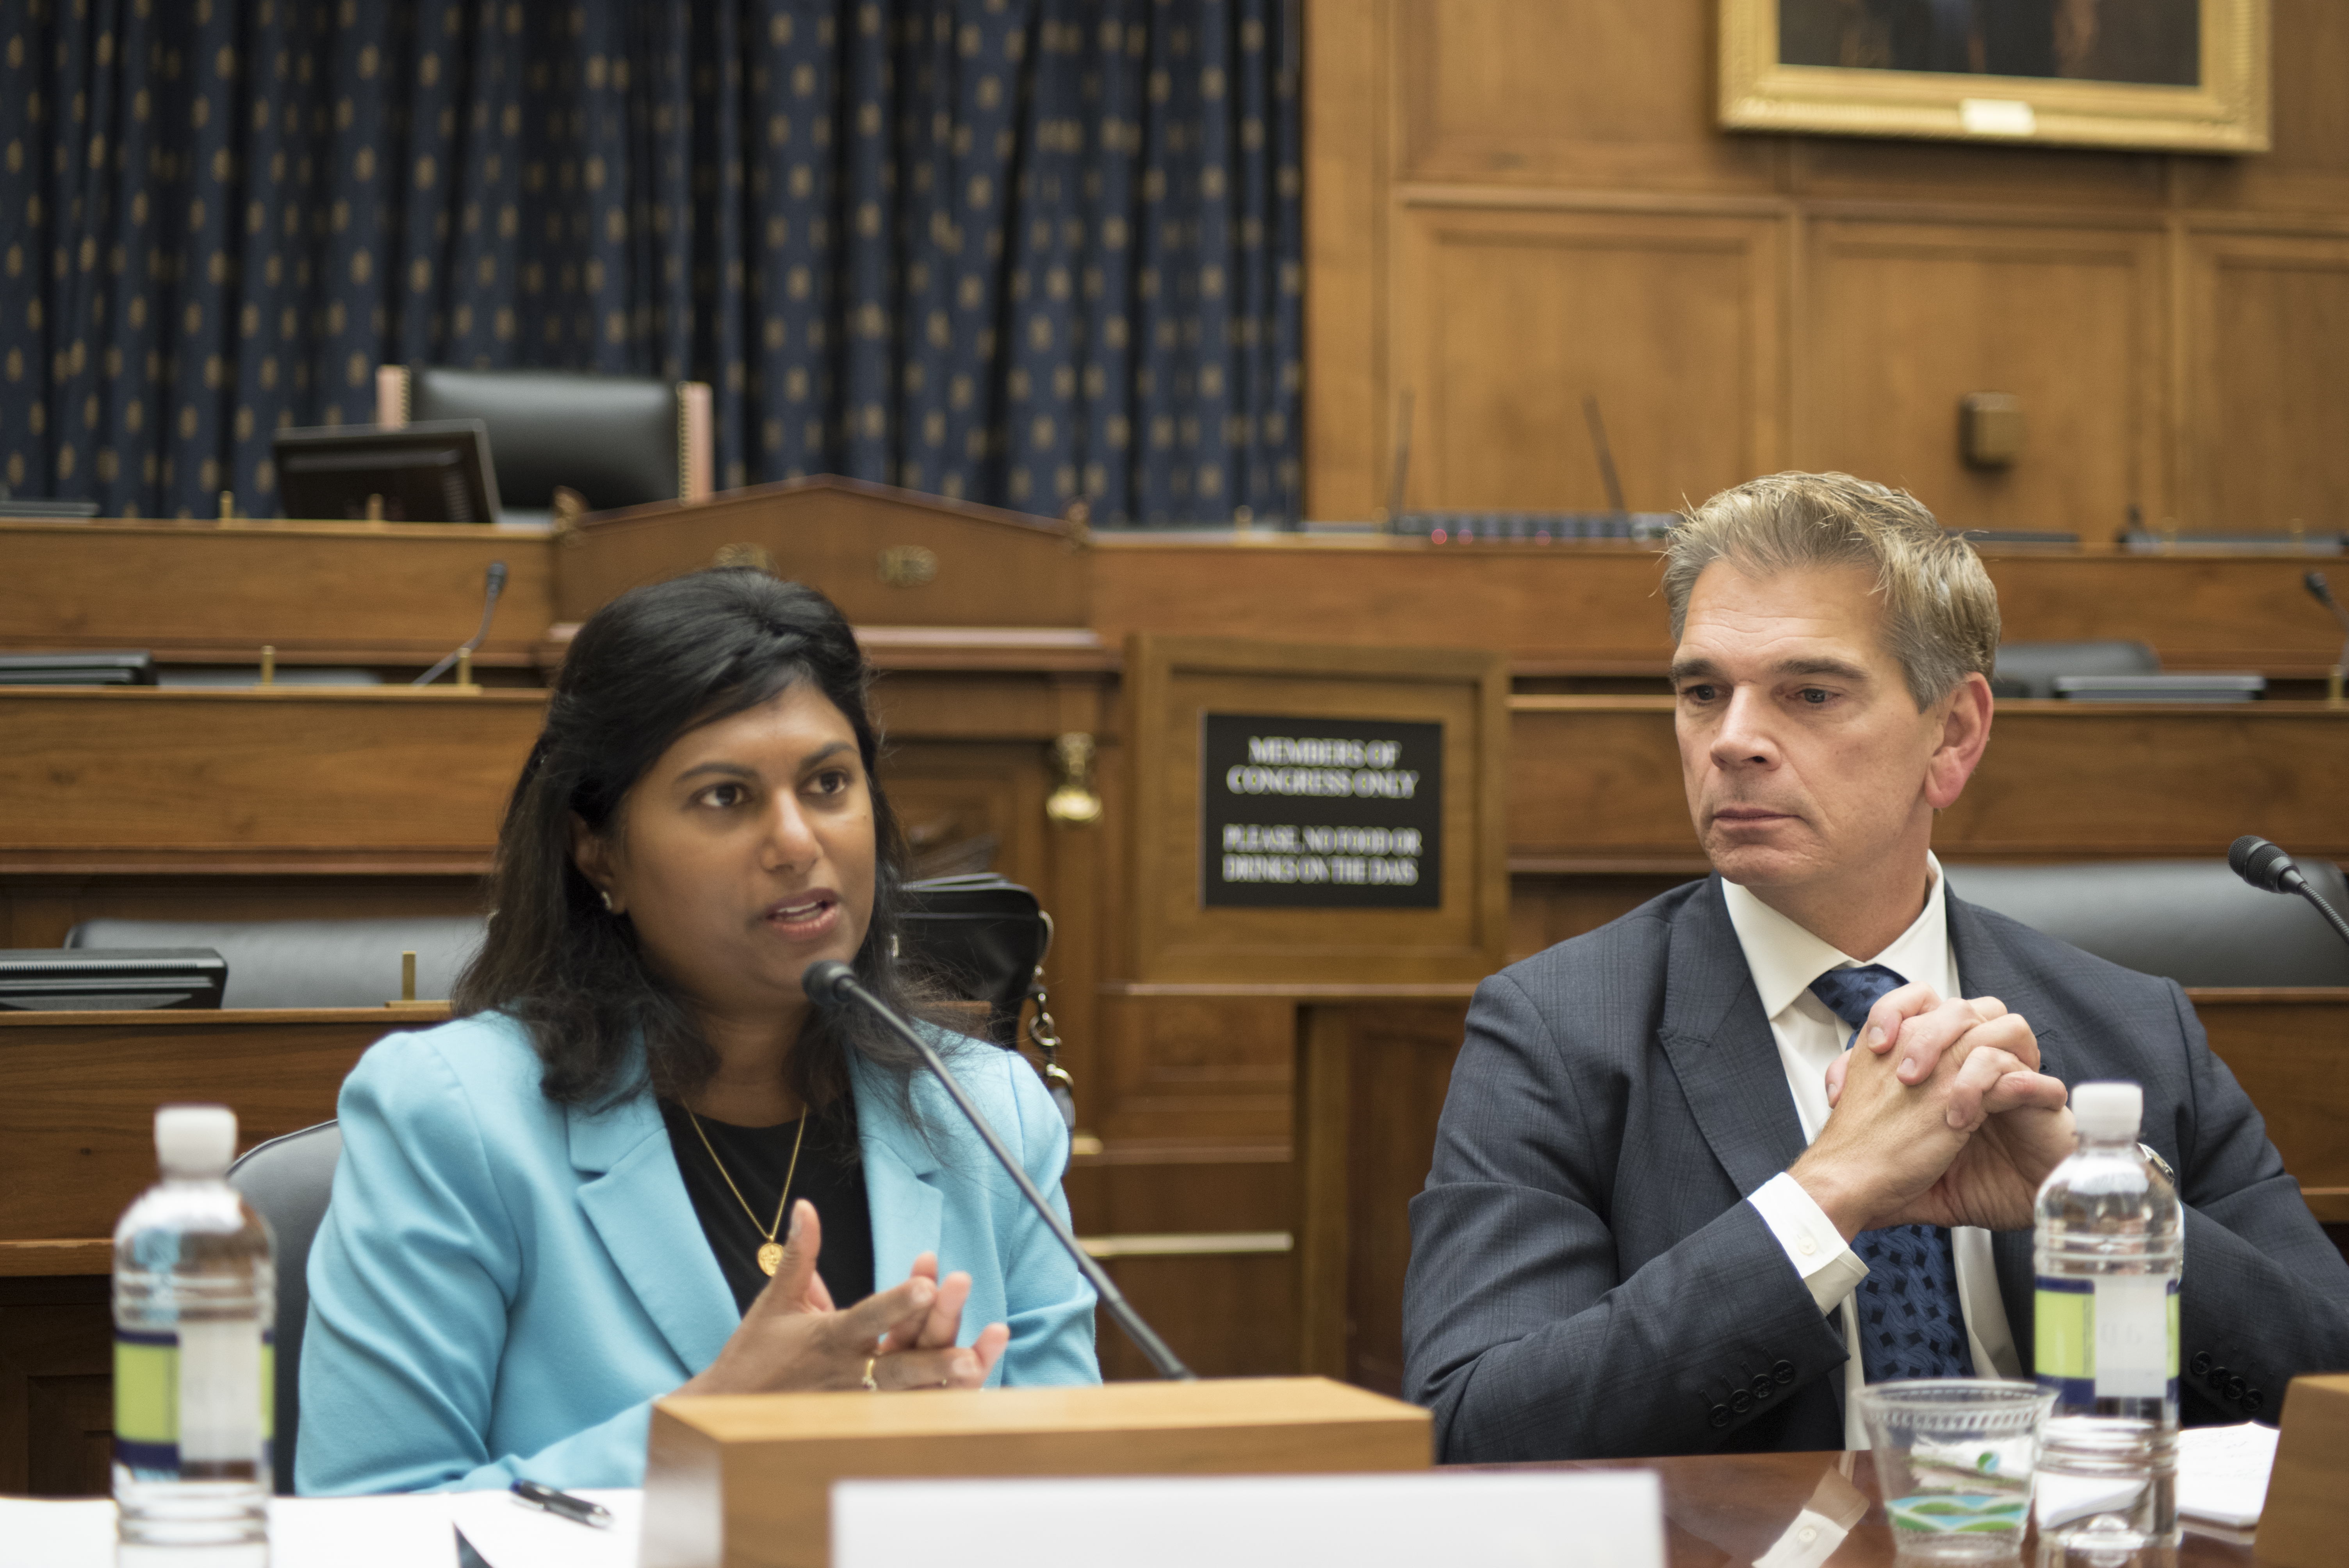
x: 1669, y: 1213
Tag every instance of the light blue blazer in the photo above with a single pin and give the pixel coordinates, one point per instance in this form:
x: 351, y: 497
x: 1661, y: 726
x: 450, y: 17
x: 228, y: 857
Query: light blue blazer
x: 502, y: 1285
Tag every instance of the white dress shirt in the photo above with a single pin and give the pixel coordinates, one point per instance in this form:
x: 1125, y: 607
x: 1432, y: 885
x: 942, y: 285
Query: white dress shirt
x: 1784, y: 959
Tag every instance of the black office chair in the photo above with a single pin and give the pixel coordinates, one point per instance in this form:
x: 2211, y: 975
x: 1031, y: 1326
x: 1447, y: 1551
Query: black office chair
x: 309, y: 963
x: 288, y: 1181
x: 2031, y: 669
x: 2194, y: 922
x: 618, y: 440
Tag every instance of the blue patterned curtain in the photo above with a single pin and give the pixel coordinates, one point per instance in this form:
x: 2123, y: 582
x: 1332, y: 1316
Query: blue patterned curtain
x: 1008, y: 250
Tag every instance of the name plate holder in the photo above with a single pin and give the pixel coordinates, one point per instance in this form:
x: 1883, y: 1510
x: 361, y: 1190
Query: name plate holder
x: 745, y: 1480
x: 2307, y: 1514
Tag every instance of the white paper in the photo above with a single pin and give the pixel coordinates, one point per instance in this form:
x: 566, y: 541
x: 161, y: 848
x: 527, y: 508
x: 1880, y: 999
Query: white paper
x: 2222, y: 1472
x: 509, y: 1534
x: 2222, y: 1476
x: 1597, y: 1519
x: 2062, y: 1499
x: 303, y: 1533
x: 402, y: 1531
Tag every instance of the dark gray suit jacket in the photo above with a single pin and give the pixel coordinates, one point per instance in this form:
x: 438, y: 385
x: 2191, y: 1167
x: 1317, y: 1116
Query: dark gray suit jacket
x: 1587, y: 1280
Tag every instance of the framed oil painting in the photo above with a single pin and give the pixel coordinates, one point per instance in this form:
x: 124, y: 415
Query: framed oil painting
x: 2177, y: 75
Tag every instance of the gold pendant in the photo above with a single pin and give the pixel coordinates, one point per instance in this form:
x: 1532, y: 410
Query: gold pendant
x: 771, y: 1256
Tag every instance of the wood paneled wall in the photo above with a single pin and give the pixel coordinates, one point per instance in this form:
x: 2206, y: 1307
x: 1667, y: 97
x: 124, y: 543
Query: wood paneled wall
x: 1513, y: 203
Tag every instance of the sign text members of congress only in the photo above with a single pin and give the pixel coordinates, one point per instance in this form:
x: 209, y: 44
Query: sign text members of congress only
x: 1319, y: 813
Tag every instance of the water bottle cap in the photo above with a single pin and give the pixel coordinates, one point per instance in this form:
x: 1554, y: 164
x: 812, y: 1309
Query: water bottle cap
x: 195, y: 1140
x: 2108, y: 1110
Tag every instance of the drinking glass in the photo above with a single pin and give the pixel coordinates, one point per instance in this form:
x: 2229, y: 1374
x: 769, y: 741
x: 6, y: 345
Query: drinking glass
x: 1955, y: 1457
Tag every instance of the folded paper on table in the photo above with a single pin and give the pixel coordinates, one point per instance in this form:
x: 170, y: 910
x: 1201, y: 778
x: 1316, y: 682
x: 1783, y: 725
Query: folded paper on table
x: 2222, y: 1472
x: 2222, y: 1476
x: 1608, y: 1520
x: 2065, y: 1498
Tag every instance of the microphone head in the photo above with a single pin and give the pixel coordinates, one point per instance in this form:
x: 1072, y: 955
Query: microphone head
x: 2262, y: 864
x: 827, y: 982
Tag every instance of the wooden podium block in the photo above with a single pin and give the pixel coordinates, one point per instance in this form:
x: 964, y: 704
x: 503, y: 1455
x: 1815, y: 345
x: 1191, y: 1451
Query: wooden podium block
x: 2306, y: 1521
x: 745, y: 1480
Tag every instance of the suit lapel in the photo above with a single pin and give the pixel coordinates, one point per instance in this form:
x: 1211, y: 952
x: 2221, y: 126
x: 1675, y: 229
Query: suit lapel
x: 633, y: 1196
x: 1719, y: 1042
x: 900, y: 1177
x: 1986, y: 968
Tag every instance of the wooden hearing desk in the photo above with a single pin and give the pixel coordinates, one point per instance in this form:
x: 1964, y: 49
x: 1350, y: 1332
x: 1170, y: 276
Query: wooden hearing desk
x: 367, y: 783
x: 1595, y: 783
x: 392, y: 595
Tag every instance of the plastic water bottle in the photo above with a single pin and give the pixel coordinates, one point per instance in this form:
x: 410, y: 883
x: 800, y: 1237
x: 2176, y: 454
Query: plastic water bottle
x: 195, y: 1308
x: 2110, y: 1249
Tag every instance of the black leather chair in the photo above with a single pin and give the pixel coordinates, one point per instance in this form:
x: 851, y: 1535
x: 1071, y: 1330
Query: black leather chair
x: 309, y: 963
x: 2030, y: 669
x: 288, y: 1181
x: 618, y: 440
x: 2194, y: 922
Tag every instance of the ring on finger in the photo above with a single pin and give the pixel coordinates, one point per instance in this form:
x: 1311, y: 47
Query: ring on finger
x: 870, y: 1386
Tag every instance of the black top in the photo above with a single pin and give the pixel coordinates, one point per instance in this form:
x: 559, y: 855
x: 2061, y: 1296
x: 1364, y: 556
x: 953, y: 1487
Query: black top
x: 829, y: 1176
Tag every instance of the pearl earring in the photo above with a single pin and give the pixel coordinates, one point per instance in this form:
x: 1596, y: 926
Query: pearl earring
x: 607, y: 897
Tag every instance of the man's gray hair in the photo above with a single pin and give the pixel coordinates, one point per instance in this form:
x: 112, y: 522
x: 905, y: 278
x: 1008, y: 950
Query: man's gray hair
x: 1941, y: 616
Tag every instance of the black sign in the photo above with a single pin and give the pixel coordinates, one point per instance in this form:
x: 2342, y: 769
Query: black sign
x: 1319, y: 813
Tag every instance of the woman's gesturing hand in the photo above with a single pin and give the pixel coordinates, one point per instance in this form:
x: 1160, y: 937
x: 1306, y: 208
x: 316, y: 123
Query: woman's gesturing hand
x: 792, y: 1338
x: 935, y: 1330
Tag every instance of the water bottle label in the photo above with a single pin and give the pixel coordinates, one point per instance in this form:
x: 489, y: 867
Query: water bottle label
x: 2111, y: 1337
x: 179, y: 1400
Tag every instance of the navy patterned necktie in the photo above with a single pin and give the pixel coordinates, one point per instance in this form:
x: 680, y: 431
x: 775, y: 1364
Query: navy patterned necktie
x: 1910, y: 1325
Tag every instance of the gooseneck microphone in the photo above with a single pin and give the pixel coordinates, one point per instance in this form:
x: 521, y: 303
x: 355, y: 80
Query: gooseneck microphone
x: 495, y: 586
x: 831, y: 983
x: 2269, y: 870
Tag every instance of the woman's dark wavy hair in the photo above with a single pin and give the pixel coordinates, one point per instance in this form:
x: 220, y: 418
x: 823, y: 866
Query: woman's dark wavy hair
x: 653, y: 664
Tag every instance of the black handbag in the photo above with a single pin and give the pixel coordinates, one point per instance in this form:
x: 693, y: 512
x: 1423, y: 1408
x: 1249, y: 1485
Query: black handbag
x: 984, y: 937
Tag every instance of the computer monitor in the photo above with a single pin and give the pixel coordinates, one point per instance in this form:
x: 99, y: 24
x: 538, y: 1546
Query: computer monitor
x: 438, y: 470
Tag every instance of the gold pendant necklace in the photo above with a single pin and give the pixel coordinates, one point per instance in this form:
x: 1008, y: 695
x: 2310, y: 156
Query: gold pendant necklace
x: 771, y: 1253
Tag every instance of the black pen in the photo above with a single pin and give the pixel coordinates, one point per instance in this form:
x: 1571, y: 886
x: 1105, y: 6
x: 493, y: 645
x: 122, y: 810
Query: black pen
x: 577, y: 1509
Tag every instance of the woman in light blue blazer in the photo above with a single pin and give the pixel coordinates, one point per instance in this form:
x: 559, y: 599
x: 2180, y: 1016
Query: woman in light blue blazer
x: 612, y: 1177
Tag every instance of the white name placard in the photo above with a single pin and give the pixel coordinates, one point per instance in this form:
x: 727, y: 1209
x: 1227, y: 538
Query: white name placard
x: 1609, y: 1518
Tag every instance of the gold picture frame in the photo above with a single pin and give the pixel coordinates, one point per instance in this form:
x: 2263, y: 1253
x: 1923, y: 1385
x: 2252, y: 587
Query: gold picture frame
x: 2224, y: 110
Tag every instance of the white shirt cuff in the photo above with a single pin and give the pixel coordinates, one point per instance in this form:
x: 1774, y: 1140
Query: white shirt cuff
x: 1816, y: 1249
x: 1810, y: 1540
